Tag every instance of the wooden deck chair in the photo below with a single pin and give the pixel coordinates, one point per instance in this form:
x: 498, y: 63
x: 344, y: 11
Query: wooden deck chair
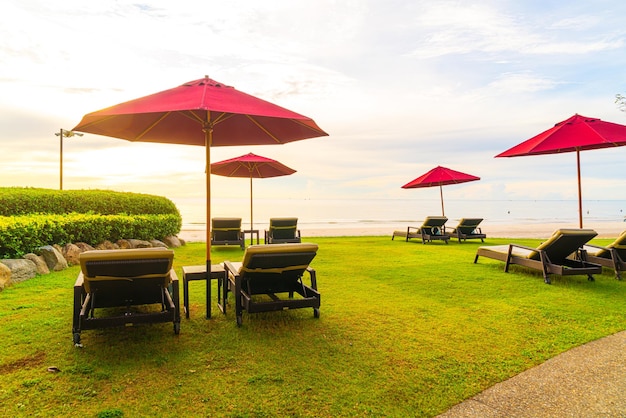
x: 468, y: 228
x: 432, y: 229
x: 551, y: 256
x: 130, y: 279
x: 227, y: 231
x: 283, y: 230
x: 270, y: 278
x: 612, y: 256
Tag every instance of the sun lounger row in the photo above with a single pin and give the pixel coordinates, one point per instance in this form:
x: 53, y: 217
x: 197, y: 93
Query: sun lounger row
x: 135, y: 286
x: 433, y: 228
x: 228, y: 231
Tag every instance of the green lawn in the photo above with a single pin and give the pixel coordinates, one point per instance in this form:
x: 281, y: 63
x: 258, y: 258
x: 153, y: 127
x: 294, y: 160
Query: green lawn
x: 406, y: 329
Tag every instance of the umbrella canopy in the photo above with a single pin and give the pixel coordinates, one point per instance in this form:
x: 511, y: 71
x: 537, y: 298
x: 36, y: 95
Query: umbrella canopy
x: 252, y: 166
x: 202, y: 112
x: 578, y: 133
x: 440, y: 176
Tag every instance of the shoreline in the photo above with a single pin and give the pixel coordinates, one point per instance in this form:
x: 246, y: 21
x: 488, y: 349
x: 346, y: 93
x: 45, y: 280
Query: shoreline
x: 493, y: 230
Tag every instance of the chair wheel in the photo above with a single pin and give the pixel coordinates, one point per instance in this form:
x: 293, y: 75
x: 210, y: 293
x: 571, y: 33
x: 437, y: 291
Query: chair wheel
x: 76, y: 339
x: 316, y: 312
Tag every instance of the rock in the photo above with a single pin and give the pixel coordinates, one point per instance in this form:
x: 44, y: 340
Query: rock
x: 40, y: 263
x: 107, y: 245
x: 84, y: 246
x: 54, y: 258
x: 5, y: 276
x: 21, y: 269
x: 123, y: 244
x: 157, y: 243
x: 70, y: 253
x: 172, y: 241
x: 137, y: 243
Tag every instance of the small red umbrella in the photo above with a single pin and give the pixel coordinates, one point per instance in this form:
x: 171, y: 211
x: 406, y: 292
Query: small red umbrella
x: 578, y: 133
x: 201, y: 112
x: 440, y: 176
x: 253, y: 166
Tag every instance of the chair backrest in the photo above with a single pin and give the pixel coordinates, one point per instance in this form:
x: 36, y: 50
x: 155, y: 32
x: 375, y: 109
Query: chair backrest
x: 283, y: 228
x: 468, y: 225
x: 563, y: 243
x: 226, y: 229
x: 285, y: 260
x: 433, y: 225
x: 128, y: 264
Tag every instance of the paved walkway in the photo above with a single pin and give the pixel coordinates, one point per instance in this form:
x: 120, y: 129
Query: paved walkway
x: 586, y: 381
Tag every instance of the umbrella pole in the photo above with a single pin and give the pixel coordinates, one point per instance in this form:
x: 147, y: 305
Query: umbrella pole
x: 208, y: 137
x: 251, y: 225
x: 580, y: 192
x: 443, y: 213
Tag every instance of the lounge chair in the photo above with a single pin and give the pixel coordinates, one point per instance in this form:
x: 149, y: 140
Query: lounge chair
x: 125, y: 279
x: 468, y: 229
x: 268, y: 272
x: 551, y: 256
x: 432, y: 229
x: 227, y: 231
x: 283, y: 230
x: 612, y: 256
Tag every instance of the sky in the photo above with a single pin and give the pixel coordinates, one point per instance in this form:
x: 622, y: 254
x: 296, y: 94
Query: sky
x: 401, y: 86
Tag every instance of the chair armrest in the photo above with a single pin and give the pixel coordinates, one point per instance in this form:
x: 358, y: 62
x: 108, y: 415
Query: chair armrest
x: 313, y: 276
x: 80, y: 280
x: 230, y: 269
x: 525, y: 247
x: 599, y: 247
x: 417, y: 228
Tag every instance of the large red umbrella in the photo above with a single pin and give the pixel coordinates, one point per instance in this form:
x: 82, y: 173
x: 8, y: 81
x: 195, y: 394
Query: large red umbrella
x: 252, y: 166
x: 202, y: 112
x: 578, y: 133
x: 440, y: 176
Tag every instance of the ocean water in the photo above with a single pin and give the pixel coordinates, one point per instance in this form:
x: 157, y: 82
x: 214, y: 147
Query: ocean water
x: 374, y: 213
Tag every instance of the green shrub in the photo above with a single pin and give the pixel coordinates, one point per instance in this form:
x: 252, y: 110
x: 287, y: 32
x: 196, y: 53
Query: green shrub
x: 31, y: 218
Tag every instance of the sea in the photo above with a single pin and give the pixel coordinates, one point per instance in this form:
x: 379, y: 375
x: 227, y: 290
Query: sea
x: 350, y: 213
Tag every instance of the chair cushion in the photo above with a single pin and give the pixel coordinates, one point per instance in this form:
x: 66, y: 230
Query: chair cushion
x: 563, y: 243
x: 253, y: 253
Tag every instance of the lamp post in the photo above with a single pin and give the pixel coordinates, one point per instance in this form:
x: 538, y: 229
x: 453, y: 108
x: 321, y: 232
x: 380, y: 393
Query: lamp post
x: 63, y: 133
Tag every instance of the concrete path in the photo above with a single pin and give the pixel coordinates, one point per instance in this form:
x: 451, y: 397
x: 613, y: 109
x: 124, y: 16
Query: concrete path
x: 586, y: 381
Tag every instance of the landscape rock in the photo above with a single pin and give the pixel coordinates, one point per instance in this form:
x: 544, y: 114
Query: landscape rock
x: 107, y: 245
x: 21, y: 269
x: 53, y: 257
x: 40, y: 263
x: 84, y: 246
x: 138, y: 243
x: 172, y: 241
x: 70, y: 253
x: 157, y: 243
x: 123, y: 244
x: 5, y: 276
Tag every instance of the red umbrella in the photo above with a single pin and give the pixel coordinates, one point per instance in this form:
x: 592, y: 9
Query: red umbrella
x: 578, y: 133
x: 253, y: 166
x: 440, y: 176
x: 202, y: 112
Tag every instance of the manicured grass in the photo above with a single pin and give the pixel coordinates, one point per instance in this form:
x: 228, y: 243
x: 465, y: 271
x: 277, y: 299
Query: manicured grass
x: 406, y: 329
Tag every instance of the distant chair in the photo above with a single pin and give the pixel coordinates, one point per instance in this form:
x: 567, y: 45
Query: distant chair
x: 227, y: 231
x: 553, y: 256
x: 275, y: 271
x: 468, y: 228
x: 283, y: 230
x: 121, y: 285
x: 432, y: 229
x: 612, y: 256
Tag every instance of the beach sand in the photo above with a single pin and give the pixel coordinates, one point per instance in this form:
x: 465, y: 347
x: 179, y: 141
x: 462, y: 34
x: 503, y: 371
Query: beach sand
x: 534, y: 230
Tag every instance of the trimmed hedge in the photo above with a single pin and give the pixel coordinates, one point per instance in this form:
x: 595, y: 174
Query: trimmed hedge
x: 31, y: 218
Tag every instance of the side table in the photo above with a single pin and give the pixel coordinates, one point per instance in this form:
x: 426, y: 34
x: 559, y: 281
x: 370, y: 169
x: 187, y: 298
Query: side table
x: 199, y: 273
x: 252, y: 232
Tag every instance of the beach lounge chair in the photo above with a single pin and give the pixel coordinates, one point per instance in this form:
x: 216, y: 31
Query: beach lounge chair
x: 227, y: 231
x: 139, y: 282
x: 550, y: 257
x: 270, y: 278
x: 468, y: 229
x: 283, y: 230
x: 432, y: 229
x: 612, y: 256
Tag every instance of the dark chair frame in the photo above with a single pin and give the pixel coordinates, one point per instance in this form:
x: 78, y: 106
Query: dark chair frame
x: 125, y: 279
x: 275, y: 271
